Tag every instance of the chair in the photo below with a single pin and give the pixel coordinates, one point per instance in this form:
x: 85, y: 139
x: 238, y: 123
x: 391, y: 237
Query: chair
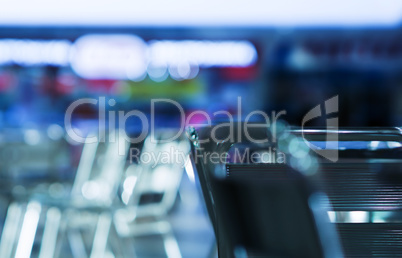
x: 150, y: 189
x: 32, y: 160
x: 260, y: 209
x: 64, y: 214
x: 30, y: 157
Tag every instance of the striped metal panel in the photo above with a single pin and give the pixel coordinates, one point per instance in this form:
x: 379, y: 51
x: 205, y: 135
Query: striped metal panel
x: 352, y: 187
x: 371, y: 239
x: 362, y: 186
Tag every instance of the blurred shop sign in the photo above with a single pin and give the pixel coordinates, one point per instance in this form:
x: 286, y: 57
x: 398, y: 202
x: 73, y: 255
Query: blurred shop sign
x: 128, y: 57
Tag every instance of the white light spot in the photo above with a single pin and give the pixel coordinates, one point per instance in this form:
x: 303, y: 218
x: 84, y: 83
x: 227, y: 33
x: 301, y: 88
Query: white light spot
x: 55, y: 132
x: 374, y: 144
x: 358, y: 217
x: 189, y: 170
x: 91, y: 190
x: 392, y: 145
x: 157, y: 71
x: 32, y: 137
x: 109, y: 57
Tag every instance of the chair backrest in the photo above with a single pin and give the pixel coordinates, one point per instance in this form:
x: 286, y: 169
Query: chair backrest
x: 152, y: 185
x: 32, y: 153
x: 365, y: 177
x: 271, y: 210
x: 364, y: 187
x: 99, y: 172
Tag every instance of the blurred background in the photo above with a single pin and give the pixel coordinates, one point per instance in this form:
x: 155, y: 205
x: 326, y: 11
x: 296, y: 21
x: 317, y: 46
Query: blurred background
x: 204, y: 55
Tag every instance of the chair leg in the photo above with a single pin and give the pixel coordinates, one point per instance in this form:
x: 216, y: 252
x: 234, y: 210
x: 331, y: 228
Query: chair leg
x: 28, y: 230
x: 171, y: 246
x: 49, y: 239
x: 76, y: 243
x: 121, y: 246
x: 10, y: 229
x: 62, y: 237
x: 101, y: 235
